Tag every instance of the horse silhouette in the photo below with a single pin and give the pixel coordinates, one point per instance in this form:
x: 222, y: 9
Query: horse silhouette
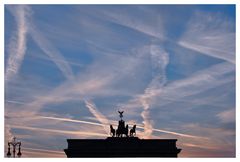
x: 112, y: 131
x: 133, y: 131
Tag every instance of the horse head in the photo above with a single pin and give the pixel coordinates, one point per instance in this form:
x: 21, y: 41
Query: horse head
x: 111, y: 127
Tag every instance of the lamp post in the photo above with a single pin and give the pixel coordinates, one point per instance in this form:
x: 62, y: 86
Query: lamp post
x: 14, y: 144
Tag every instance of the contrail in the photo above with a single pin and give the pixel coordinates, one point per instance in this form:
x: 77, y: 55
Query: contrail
x: 199, y: 36
x: 145, y: 115
x: 140, y: 127
x: 159, y: 61
x: 51, y: 51
x: 59, y: 131
x: 178, y: 134
x: 17, y: 47
x: 43, y: 150
x: 101, y: 118
x: 37, y: 154
x: 15, y: 102
x: 72, y: 120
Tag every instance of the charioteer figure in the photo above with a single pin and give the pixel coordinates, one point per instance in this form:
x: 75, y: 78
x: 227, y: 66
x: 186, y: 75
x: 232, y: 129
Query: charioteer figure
x: 121, y: 114
x: 122, y: 129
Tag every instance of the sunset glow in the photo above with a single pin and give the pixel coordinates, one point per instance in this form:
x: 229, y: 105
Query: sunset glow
x: 170, y: 68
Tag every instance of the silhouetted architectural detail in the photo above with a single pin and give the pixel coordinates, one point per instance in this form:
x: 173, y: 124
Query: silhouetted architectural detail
x: 121, y: 114
x: 122, y: 145
x: 122, y: 130
x: 112, y: 131
x: 133, y: 131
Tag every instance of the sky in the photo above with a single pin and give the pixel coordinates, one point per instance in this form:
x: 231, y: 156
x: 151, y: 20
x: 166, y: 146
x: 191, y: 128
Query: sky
x: 170, y: 68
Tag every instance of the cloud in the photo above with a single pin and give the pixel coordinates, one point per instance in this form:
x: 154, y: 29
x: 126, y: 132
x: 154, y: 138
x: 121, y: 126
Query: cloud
x: 17, y: 47
x: 200, y: 146
x: 159, y: 59
x: 210, y: 34
x: 106, y: 125
x: 201, y: 81
x: 219, y: 140
x: 101, y: 118
x: 87, y: 84
x: 149, y: 23
x: 148, y: 128
x: 179, y: 134
x: 126, y: 61
x: 36, y: 152
x: 15, y: 102
x: 51, y: 51
x: 72, y: 120
x: 183, y: 90
x: 54, y: 131
x: 227, y: 116
x: 67, y: 91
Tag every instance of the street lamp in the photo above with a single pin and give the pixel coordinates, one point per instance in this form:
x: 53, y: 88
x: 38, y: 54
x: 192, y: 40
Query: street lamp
x: 14, y: 144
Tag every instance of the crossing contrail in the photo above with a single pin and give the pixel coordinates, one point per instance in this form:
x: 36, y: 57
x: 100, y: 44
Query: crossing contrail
x: 106, y: 125
x: 17, y: 46
x: 101, y: 118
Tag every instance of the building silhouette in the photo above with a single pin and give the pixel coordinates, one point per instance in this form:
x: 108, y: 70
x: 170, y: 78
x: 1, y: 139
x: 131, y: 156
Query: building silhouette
x: 123, y: 143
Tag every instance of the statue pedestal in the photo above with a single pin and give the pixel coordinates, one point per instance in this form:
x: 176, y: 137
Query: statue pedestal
x: 122, y: 147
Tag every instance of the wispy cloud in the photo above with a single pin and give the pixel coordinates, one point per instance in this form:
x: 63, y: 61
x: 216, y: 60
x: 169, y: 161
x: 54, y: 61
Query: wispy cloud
x: 72, y: 120
x: 51, y: 51
x: 139, y: 126
x: 128, y: 61
x: 227, y: 116
x: 17, y: 47
x: 36, y: 152
x: 217, y: 138
x: 65, y: 92
x: 150, y: 23
x: 91, y: 84
x: 101, y: 118
x: 158, y: 61
x: 200, y: 82
x: 15, y: 102
x: 210, y: 34
x: 59, y: 131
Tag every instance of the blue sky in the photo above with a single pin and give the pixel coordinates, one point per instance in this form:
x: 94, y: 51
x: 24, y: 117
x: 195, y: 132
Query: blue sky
x: 171, y: 68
